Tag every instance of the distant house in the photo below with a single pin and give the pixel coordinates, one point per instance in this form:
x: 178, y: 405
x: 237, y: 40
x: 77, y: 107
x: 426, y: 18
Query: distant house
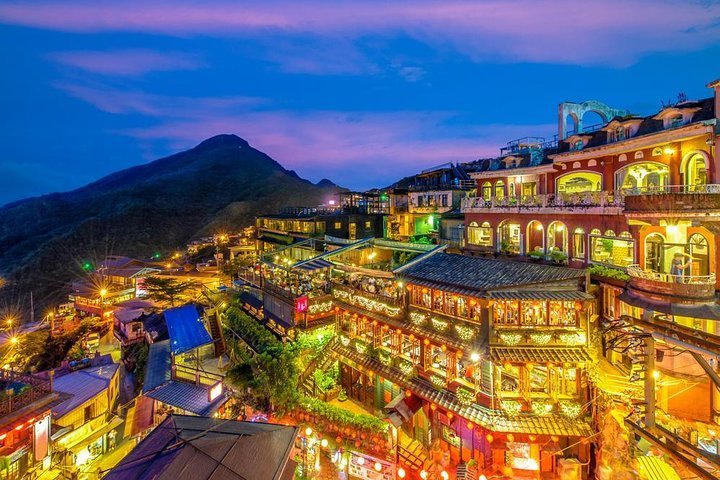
x: 174, y: 376
x: 83, y: 424
x: 128, y: 320
x: 201, y: 448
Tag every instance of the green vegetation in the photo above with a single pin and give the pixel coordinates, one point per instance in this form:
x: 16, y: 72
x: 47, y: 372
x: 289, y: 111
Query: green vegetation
x: 167, y: 290
x: 608, y: 272
x: 340, y: 416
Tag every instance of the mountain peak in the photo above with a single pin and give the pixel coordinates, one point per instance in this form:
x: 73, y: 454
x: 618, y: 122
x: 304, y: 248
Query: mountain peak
x: 222, y: 140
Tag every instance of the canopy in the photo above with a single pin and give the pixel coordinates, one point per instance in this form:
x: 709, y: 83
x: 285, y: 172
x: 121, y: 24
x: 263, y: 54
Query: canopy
x: 186, y: 329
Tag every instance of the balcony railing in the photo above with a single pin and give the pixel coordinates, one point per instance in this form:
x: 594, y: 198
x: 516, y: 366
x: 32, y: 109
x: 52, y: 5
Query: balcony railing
x: 36, y: 389
x: 672, y: 189
x: 457, y: 185
x: 549, y: 200
x: 697, y: 287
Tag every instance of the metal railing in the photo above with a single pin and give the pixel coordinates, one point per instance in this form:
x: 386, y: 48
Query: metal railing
x: 547, y: 200
x: 37, y: 388
x: 673, y: 189
x: 698, y: 287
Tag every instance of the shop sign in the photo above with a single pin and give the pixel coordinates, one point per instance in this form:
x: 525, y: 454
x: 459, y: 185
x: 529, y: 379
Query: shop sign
x: 301, y: 304
x: 366, y: 467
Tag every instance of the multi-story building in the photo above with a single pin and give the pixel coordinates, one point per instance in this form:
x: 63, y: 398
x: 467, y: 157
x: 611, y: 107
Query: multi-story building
x: 640, y: 195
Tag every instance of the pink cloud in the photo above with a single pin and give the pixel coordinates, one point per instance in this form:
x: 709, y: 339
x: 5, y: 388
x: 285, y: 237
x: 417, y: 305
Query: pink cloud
x: 127, y: 62
x: 565, y: 31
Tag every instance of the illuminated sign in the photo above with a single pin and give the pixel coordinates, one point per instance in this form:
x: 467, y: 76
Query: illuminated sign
x: 367, y: 467
x: 140, y: 290
x: 215, y: 391
x: 41, y: 436
x: 301, y: 304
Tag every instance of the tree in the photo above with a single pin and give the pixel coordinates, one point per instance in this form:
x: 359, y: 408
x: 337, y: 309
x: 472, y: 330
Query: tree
x: 167, y: 290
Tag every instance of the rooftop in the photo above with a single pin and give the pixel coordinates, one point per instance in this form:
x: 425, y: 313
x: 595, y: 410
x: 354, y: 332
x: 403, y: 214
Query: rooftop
x: 82, y: 385
x: 186, y: 328
x: 474, y: 275
x: 201, y: 448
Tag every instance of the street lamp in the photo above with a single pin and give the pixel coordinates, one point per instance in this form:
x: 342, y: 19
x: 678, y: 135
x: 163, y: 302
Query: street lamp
x: 14, y: 340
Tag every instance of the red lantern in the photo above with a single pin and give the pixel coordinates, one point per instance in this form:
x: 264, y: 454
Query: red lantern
x: 357, y: 444
x: 426, y: 341
x: 433, y: 407
x: 408, y: 393
x: 450, y: 415
x: 338, y: 439
x: 470, y: 426
x: 510, y: 437
x: 532, y: 438
x: 578, y: 306
x: 489, y: 438
x: 554, y: 438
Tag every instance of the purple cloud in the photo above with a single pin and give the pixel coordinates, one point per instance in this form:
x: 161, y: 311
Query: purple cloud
x: 127, y: 63
x: 368, y: 147
x: 612, y: 32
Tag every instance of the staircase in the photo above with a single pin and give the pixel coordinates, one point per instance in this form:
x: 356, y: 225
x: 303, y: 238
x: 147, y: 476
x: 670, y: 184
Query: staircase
x: 216, y: 333
x: 321, y: 362
x: 413, y: 455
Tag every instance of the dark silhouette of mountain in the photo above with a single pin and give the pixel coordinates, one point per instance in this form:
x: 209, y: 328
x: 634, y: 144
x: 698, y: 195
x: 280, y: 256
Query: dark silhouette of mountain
x: 221, y: 184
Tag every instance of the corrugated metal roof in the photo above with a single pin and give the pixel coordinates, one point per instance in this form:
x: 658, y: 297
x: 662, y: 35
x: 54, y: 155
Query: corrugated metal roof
x: 185, y: 328
x: 479, y: 274
x: 158, y: 368
x: 313, y: 265
x: 540, y: 354
x: 557, y: 295
x: 186, y: 396
x: 82, y: 386
x: 197, y: 448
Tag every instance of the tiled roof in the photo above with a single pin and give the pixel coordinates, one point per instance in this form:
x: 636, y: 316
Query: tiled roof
x: 198, y: 448
x: 492, y: 420
x: 186, y: 396
x: 476, y: 274
x: 540, y: 354
x: 82, y: 386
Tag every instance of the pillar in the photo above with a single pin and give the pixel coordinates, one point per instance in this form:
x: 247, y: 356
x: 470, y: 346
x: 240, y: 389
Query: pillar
x: 650, y: 382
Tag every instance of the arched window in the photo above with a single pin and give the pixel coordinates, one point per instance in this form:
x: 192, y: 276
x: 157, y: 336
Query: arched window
x: 655, y: 252
x: 480, y: 235
x: 595, y: 231
x: 486, y: 191
x: 578, y: 242
x: 700, y: 255
x: 611, y: 249
x: 695, y: 170
x: 499, y: 189
x: 509, y: 236
x: 642, y: 176
x: 535, y: 239
x: 578, y: 182
x: 609, y: 233
x: 557, y: 237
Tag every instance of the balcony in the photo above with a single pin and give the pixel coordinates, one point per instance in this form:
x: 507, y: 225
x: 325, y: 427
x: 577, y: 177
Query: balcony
x: 689, y: 287
x: 584, y: 203
x: 685, y: 199
x: 430, y: 187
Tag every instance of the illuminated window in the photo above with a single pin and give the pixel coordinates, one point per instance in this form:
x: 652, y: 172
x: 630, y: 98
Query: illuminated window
x: 578, y: 243
x: 695, y: 170
x: 480, y: 235
x: 642, y: 176
x: 612, y: 250
x: 499, y: 189
x: 486, y: 191
x: 579, y: 182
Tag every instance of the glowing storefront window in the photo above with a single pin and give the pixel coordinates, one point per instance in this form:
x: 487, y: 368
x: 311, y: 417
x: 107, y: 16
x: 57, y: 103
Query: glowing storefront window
x: 612, y: 250
x: 480, y: 234
x: 644, y: 176
x: 579, y: 182
x: 696, y: 170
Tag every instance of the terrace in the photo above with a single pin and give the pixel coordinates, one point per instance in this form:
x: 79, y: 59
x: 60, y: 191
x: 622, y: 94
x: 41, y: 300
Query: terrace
x: 688, y: 287
x: 688, y: 199
x: 26, y: 389
x: 581, y: 202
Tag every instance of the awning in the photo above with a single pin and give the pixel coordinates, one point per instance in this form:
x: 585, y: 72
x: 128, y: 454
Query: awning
x: 562, y: 295
x: 655, y: 468
x: 540, y: 355
x: 708, y: 311
x: 314, y: 265
x: 113, y: 424
x: 402, y: 408
x: 444, y: 287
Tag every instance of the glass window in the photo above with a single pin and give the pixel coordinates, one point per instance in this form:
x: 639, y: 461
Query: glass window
x: 510, y: 378
x: 533, y: 313
x: 642, y: 176
x: 506, y: 313
x: 579, y: 243
x: 538, y: 379
x: 509, y: 237
x: 499, y: 189
x: 579, y: 182
x: 696, y: 170
x: 563, y: 313
x: 612, y: 250
x: 486, y: 191
x: 480, y: 235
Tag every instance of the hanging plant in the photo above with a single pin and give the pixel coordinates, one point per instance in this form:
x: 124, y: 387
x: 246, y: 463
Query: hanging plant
x: 465, y: 396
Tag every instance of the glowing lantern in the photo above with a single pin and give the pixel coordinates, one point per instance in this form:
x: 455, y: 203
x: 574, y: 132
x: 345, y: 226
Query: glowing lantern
x: 532, y: 438
x: 450, y: 415
x: 578, y: 306
x: 554, y: 438
x: 489, y: 438
x: 426, y: 341
x: 378, y: 466
x: 433, y: 407
x: 459, y: 354
x: 408, y: 393
x: 443, y: 347
x: 470, y: 426
x: 398, y: 331
x: 361, y: 461
x: 411, y: 336
x: 510, y: 437
x: 401, y: 472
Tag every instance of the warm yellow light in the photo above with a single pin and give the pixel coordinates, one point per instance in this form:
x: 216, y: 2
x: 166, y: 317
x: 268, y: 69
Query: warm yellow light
x: 14, y: 340
x: 538, y: 227
x: 482, y: 477
x: 668, y: 151
x: 423, y: 474
x: 378, y: 466
x: 560, y: 228
x: 656, y: 374
x: 308, y: 431
x: 103, y: 292
x: 9, y: 321
x: 672, y: 229
x: 444, y: 475
x: 324, y: 443
x: 401, y: 472
x: 361, y: 461
x: 475, y: 357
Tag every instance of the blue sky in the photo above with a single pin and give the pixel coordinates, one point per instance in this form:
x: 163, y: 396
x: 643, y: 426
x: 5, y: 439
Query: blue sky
x: 362, y: 93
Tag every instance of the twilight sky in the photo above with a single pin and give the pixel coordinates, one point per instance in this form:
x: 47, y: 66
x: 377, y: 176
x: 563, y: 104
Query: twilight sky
x: 360, y: 92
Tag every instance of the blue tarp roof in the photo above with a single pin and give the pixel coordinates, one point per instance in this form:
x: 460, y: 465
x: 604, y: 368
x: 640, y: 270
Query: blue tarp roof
x: 159, y: 366
x: 185, y: 328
